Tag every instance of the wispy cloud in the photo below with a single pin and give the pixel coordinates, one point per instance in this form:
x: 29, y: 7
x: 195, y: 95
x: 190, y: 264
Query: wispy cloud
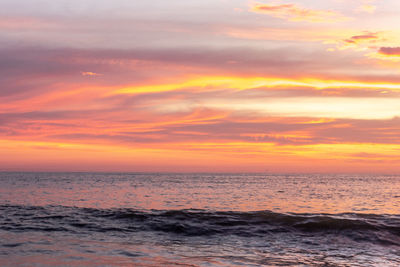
x: 367, y: 6
x: 294, y: 12
x: 363, y: 41
x: 365, y: 37
x: 89, y: 73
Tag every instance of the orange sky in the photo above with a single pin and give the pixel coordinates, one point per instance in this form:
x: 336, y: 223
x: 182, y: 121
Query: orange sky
x: 227, y: 86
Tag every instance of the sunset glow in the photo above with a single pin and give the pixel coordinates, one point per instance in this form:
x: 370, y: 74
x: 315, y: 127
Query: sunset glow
x: 227, y: 86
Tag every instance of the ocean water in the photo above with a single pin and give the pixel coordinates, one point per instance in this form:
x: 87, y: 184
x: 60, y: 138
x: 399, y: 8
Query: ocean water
x: 133, y: 219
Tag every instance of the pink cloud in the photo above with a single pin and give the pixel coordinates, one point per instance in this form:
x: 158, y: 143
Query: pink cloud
x: 366, y: 37
x: 390, y: 51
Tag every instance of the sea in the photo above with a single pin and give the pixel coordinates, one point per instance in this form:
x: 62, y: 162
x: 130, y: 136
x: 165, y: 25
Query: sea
x: 199, y: 219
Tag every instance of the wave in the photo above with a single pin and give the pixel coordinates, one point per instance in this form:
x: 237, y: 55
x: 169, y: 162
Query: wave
x: 382, y: 229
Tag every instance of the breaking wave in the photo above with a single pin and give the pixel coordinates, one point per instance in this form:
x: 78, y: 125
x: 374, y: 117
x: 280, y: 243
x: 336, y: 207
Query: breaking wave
x: 380, y: 229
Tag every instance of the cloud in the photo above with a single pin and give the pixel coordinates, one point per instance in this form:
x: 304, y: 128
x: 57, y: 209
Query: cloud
x: 293, y: 12
x: 367, y: 8
x: 387, y: 53
x: 390, y: 51
x: 365, y: 37
x: 380, y: 47
x: 369, y: 42
x: 363, y: 41
x: 194, y: 127
x: 27, y: 71
x: 89, y: 73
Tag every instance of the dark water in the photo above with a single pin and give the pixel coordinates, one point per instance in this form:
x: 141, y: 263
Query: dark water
x: 88, y: 219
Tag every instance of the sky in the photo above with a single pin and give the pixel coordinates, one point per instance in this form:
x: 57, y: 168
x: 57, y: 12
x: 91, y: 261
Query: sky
x: 200, y: 86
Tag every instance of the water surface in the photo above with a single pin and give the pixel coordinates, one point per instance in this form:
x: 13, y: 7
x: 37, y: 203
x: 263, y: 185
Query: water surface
x: 100, y: 219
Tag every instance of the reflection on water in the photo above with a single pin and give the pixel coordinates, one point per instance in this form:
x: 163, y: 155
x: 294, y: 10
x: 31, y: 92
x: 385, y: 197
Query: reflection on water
x: 282, y: 193
x: 92, y: 219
